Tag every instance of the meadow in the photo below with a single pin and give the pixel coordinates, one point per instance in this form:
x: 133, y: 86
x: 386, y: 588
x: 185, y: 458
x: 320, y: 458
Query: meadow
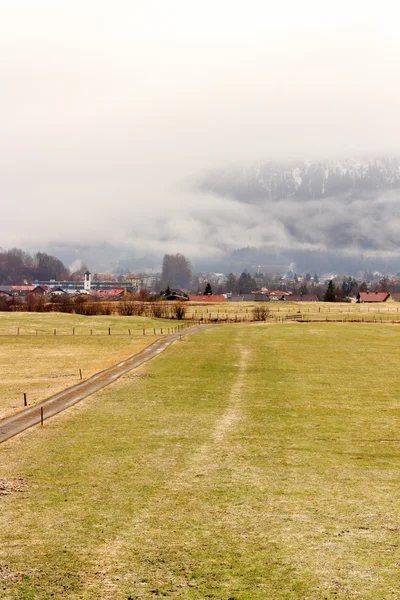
x: 44, y: 353
x: 246, y: 462
x: 307, y: 311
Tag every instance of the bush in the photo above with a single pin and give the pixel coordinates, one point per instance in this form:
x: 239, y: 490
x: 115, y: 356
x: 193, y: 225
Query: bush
x: 5, y: 304
x: 179, y: 310
x: 127, y: 308
x: 260, y: 313
x: 159, y: 310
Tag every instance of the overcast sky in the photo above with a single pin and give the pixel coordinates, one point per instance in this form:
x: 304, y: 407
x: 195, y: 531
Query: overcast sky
x: 110, y: 109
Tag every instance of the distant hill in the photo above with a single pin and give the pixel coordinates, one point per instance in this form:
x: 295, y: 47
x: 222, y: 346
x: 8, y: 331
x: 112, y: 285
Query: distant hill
x: 303, y: 180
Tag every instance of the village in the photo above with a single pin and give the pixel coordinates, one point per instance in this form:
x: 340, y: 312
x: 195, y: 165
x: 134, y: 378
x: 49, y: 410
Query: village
x: 106, y: 286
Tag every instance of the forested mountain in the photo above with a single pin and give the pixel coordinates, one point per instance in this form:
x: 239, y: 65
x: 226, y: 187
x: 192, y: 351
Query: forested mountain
x: 303, y: 180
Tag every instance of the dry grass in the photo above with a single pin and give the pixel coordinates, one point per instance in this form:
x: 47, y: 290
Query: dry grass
x: 41, y: 365
x: 250, y: 463
x: 312, y: 311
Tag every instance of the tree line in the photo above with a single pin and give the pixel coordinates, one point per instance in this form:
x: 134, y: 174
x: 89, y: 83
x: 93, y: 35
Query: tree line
x: 18, y: 266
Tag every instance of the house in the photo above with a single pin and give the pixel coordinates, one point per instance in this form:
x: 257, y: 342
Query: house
x: 301, y: 298
x: 39, y: 290
x: 395, y: 296
x: 22, y: 290
x: 176, y: 294
x: 260, y: 295
x: 113, y: 294
x: 135, y: 281
x: 363, y: 297
x: 277, y: 295
x: 58, y: 291
x: 6, y: 291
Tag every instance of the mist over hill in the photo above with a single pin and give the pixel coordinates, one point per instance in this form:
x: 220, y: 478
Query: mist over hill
x: 333, y: 214
x: 303, y: 180
x: 330, y: 215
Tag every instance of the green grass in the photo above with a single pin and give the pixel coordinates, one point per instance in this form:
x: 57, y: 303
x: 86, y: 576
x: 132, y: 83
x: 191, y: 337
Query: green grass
x: 249, y: 462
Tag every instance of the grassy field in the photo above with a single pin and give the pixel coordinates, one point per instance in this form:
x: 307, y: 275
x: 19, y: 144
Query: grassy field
x: 311, y: 311
x: 245, y: 462
x: 43, y: 364
x: 68, y: 324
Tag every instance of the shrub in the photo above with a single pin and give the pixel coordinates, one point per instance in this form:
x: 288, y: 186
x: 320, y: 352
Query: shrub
x: 159, y: 310
x: 260, y: 313
x: 179, y: 310
x: 127, y: 308
x: 5, y: 304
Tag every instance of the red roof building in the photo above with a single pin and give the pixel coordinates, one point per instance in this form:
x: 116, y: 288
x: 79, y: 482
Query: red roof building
x: 277, y: 295
x: 113, y: 293
x: 372, y: 297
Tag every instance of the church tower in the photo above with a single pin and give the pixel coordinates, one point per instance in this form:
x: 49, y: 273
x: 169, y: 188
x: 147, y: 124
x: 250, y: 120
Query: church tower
x: 87, y: 284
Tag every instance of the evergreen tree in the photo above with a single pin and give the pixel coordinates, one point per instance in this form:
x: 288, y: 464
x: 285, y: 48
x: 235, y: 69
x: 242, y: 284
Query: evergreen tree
x: 208, y: 290
x: 231, y: 283
x: 303, y: 289
x: 246, y: 283
x: 347, y: 285
x: 330, y: 294
x: 167, y: 292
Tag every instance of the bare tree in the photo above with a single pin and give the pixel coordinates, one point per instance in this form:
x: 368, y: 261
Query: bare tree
x: 176, y: 271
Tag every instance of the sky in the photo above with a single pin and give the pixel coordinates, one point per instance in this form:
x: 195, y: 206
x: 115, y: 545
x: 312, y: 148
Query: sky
x: 110, y: 112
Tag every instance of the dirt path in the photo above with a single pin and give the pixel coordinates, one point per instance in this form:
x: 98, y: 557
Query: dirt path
x: 32, y: 416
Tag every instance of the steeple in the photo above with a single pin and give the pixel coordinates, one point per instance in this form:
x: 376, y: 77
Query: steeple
x: 87, y: 284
